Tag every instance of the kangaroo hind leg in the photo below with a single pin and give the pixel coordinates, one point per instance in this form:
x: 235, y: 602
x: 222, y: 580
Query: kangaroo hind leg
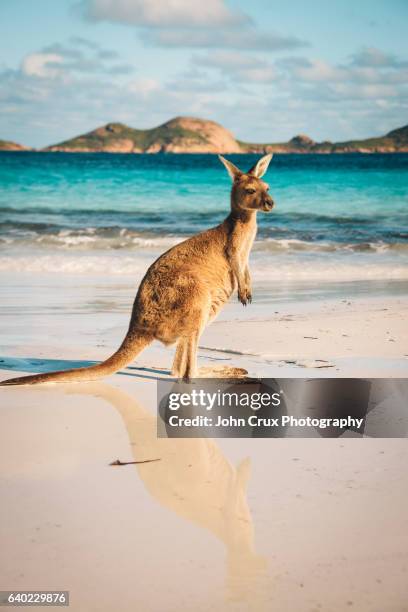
x: 185, y: 360
x: 180, y: 358
x: 190, y: 369
x: 188, y: 352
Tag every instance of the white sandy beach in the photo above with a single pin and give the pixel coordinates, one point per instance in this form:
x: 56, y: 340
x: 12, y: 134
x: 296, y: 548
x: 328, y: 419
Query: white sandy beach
x: 214, y: 525
x: 78, y: 318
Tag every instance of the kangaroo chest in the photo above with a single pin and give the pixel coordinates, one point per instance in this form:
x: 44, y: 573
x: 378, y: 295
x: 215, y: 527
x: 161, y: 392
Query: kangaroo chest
x: 248, y: 233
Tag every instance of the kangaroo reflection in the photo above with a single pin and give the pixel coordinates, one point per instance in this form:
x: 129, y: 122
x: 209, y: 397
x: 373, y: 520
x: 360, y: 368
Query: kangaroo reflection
x: 195, y: 480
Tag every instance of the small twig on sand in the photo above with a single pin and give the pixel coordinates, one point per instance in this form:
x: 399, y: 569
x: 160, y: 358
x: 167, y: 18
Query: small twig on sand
x: 119, y: 462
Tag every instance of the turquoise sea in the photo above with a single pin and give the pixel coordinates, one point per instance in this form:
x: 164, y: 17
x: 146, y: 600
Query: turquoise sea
x: 338, y: 218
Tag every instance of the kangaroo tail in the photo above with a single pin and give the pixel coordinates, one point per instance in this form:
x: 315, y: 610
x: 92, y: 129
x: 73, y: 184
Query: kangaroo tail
x: 130, y: 347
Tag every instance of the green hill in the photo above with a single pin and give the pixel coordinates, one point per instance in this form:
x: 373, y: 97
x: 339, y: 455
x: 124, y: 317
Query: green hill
x: 179, y: 135
x: 394, y: 141
x: 8, y: 145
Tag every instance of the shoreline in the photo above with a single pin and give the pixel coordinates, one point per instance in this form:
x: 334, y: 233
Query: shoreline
x: 77, y: 318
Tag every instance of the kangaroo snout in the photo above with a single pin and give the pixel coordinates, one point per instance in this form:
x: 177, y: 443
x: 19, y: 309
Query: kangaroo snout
x: 268, y: 204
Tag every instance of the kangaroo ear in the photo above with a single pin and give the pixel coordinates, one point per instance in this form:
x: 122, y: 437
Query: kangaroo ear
x: 261, y: 166
x: 232, y: 170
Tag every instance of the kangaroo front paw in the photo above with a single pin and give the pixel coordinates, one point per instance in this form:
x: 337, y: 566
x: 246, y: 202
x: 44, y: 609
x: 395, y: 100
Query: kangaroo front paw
x: 245, y: 297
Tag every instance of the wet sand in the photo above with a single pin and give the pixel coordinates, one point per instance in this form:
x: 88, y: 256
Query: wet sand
x: 253, y: 524
x: 79, y: 319
x: 213, y: 525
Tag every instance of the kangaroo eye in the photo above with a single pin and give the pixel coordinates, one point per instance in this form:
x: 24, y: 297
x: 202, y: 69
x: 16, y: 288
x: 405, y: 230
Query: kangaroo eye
x: 250, y: 190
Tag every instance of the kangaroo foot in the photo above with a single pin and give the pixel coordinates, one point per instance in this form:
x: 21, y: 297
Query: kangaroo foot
x: 245, y: 297
x: 221, y: 372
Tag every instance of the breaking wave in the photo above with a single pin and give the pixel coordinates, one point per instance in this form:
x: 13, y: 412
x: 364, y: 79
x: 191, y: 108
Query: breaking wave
x: 117, y: 238
x: 280, y: 267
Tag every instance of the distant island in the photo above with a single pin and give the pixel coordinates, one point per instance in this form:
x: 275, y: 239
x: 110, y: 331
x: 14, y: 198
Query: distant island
x: 8, y: 145
x: 193, y: 135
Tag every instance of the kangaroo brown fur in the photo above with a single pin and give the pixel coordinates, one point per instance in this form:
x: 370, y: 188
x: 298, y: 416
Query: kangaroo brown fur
x: 185, y: 288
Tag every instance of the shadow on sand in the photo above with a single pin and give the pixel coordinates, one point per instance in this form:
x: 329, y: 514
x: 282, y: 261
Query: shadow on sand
x: 194, y: 479
x: 190, y: 477
x: 33, y: 365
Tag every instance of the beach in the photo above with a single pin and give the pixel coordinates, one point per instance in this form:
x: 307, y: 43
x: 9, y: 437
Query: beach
x: 226, y: 524
x: 66, y: 321
x: 308, y: 524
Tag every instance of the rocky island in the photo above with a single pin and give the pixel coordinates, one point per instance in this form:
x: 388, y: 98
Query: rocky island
x: 8, y: 145
x: 179, y: 135
x: 194, y: 135
x: 395, y: 141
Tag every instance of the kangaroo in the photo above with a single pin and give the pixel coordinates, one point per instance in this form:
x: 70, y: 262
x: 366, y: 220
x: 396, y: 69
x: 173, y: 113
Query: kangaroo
x: 186, y: 287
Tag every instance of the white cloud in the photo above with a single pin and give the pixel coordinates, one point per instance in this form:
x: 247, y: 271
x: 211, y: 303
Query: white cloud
x: 314, y: 70
x: 355, y: 91
x: 163, y: 13
x: 43, y: 65
x: 324, y: 74
x: 144, y: 87
x: 188, y: 24
x: 238, y: 66
x: 60, y: 60
x: 245, y: 38
x: 371, y: 57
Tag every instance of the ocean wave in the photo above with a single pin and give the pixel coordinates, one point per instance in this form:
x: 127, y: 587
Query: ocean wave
x: 76, y: 264
x: 128, y: 212
x: 118, y: 238
x: 89, y: 238
x: 280, y: 268
x: 296, y: 245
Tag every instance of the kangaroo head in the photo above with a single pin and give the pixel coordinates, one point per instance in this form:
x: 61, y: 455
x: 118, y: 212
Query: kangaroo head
x: 249, y: 192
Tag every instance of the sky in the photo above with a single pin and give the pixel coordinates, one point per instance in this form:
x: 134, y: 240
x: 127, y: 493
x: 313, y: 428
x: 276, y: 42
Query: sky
x: 264, y: 69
